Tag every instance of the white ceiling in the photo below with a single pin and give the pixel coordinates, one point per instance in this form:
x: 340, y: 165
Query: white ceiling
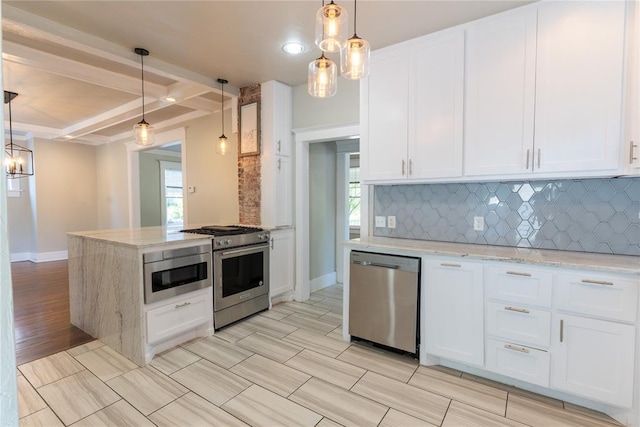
x: 73, y: 66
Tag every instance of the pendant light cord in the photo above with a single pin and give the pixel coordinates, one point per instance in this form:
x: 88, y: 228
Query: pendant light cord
x: 355, y: 14
x: 223, y: 108
x: 142, y: 79
x: 10, y: 129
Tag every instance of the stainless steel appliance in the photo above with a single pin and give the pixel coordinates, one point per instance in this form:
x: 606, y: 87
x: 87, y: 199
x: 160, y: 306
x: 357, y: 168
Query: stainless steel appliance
x: 384, y: 293
x: 240, y: 271
x: 172, y: 272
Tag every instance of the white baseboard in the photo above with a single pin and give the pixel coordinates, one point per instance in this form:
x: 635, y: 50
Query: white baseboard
x: 323, y: 281
x: 22, y: 256
x: 39, y: 257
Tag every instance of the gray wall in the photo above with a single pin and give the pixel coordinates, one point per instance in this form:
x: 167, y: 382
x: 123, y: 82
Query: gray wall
x: 150, y: 191
x: 322, y: 209
x: 343, y: 108
x: 20, y: 224
x: 588, y: 215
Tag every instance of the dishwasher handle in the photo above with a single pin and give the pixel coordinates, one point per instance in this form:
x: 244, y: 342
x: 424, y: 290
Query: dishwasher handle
x: 376, y: 264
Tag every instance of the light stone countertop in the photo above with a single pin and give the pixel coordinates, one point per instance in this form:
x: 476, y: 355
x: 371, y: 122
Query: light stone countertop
x: 591, y: 261
x: 142, y: 237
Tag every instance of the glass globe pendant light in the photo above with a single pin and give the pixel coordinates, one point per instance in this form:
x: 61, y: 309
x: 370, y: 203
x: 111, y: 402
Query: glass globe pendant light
x: 355, y: 54
x: 322, y: 79
x: 222, y: 147
x: 331, y: 27
x: 142, y: 130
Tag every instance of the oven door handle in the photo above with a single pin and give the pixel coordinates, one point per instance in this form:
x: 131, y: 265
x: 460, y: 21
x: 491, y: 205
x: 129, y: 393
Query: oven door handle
x: 249, y: 250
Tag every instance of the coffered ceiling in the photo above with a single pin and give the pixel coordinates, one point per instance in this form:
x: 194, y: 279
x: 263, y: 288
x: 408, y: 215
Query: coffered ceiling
x: 78, y: 79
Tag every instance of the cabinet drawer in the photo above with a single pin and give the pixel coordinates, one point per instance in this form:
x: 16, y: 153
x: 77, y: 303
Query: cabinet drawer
x: 522, y: 325
x: 520, y: 362
x: 610, y: 297
x: 180, y: 316
x: 519, y: 284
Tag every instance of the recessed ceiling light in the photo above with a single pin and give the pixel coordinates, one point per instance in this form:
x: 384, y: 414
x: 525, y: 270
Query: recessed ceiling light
x: 168, y: 99
x: 293, y: 48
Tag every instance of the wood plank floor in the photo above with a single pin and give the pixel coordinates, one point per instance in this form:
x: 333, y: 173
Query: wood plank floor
x: 41, y: 310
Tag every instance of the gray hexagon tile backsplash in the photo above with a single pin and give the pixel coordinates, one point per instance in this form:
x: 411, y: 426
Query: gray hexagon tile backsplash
x: 586, y: 215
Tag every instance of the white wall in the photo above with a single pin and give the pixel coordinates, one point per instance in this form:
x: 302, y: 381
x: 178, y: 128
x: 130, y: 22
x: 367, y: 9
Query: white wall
x: 215, y: 177
x: 322, y: 209
x: 112, y: 186
x: 342, y: 108
x: 20, y: 220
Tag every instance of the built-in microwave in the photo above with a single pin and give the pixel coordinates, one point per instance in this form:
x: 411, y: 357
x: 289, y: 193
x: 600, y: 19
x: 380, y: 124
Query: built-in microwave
x: 172, y: 272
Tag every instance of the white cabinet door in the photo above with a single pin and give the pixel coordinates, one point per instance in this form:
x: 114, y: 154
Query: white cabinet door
x: 579, y: 75
x: 435, y: 114
x: 384, y: 112
x: 277, y: 116
x: 281, y: 262
x: 499, y: 94
x: 593, y: 358
x: 452, y: 309
x: 283, y: 191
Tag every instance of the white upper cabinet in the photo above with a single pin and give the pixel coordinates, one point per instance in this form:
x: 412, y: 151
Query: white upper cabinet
x: 546, y: 100
x: 499, y: 94
x: 276, y: 167
x: 384, y: 113
x: 411, y: 110
x: 579, y: 76
x: 631, y: 153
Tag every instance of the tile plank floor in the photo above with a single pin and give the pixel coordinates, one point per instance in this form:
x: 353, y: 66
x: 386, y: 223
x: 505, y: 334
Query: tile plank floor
x: 285, y: 367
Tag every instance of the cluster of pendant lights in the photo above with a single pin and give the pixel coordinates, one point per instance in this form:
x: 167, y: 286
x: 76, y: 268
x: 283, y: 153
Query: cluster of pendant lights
x: 18, y: 160
x: 331, y: 36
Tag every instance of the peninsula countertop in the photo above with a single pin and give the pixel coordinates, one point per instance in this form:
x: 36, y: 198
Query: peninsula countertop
x: 600, y: 262
x: 141, y: 237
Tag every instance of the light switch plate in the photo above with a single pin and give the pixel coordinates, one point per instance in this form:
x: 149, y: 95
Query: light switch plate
x: 381, y: 222
x: 391, y: 221
x: 478, y: 223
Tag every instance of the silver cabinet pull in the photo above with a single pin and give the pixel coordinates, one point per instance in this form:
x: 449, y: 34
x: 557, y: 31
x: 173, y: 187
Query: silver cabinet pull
x: 517, y: 309
x: 279, y: 143
x: 272, y: 243
x: 517, y: 273
x: 597, y: 282
x: 279, y: 163
x: 410, y: 167
x: 184, y: 304
x: 539, y: 158
x: 631, y: 150
x: 449, y: 264
x: 561, y: 330
x: 516, y: 348
x: 528, y: 151
x: 403, y: 167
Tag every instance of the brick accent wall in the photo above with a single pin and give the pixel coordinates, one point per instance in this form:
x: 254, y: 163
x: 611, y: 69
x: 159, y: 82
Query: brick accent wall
x: 249, y: 170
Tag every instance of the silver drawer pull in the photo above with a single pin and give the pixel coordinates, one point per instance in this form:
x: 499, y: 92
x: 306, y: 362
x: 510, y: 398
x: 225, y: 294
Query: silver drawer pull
x: 516, y: 348
x: 517, y: 309
x: 448, y: 264
x: 517, y: 273
x: 377, y: 264
x: 597, y: 282
x: 184, y: 304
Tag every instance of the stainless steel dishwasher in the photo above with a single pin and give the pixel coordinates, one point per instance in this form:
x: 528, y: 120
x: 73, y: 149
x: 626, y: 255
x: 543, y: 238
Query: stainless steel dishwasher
x: 384, y: 299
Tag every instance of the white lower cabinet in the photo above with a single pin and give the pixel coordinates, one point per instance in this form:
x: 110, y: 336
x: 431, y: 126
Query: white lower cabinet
x: 593, y: 358
x: 452, y: 301
x: 180, y: 316
x: 281, y: 262
x: 517, y: 361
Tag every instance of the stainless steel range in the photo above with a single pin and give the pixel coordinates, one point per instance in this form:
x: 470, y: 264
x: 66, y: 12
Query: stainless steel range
x: 240, y: 271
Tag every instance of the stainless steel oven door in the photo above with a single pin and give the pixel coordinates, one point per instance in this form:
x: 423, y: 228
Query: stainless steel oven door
x: 240, y: 274
x: 176, y: 276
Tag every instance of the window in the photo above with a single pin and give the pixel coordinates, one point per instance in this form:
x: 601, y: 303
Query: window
x: 172, y: 196
x: 354, y: 190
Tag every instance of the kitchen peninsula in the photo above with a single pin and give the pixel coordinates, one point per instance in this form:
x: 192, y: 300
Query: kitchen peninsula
x: 107, y: 297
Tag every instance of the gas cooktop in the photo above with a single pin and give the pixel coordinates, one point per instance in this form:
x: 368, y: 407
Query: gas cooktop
x: 223, y: 230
